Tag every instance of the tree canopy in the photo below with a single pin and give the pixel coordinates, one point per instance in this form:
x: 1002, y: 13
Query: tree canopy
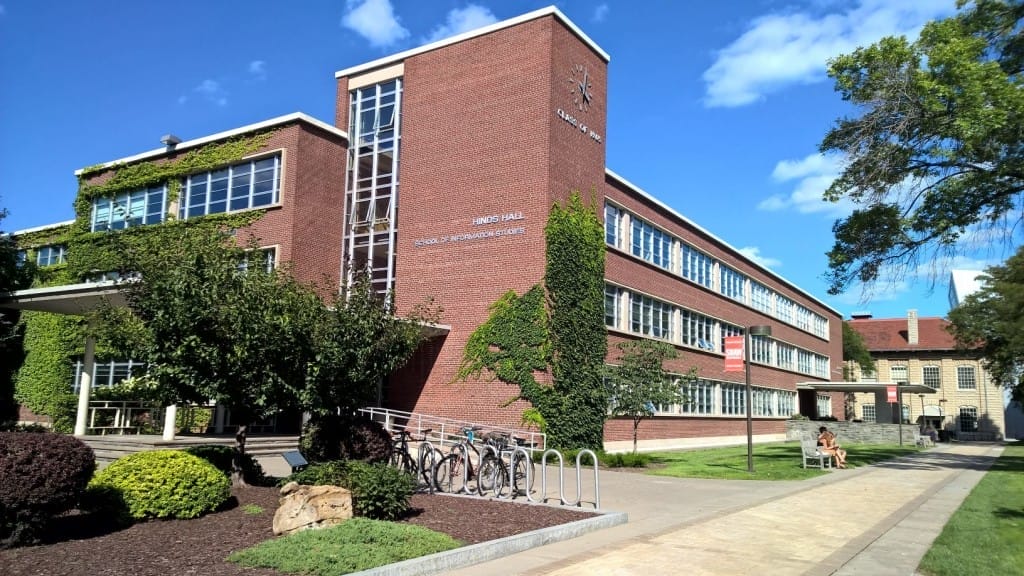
x: 991, y: 321
x: 640, y: 383
x: 935, y: 158
x: 854, y: 349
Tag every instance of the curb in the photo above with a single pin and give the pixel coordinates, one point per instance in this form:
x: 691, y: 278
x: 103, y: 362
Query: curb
x: 494, y: 549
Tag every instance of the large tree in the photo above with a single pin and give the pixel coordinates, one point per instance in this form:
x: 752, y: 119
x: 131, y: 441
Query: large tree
x: 935, y: 154
x: 640, y: 383
x: 991, y: 322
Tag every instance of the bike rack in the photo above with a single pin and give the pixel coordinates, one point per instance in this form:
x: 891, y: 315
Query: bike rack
x: 427, y: 450
x: 561, y: 479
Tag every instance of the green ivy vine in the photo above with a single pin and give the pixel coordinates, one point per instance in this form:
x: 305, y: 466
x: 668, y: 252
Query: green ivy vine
x: 53, y: 341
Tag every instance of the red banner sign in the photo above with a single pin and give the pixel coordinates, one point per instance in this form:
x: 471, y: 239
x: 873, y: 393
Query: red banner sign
x: 734, y: 353
x: 891, y: 391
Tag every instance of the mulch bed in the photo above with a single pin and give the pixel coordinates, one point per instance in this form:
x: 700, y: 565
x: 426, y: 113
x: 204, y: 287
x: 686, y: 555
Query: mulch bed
x: 80, y: 545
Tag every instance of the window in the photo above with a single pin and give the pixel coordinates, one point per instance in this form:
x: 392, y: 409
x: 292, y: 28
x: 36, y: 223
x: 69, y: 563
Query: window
x: 728, y: 330
x: 761, y: 297
x: 785, y: 355
x: 803, y: 318
x: 898, y: 374
x: 784, y: 308
x: 965, y: 378
x: 867, y: 412
x: 868, y: 375
x: 824, y: 405
x: 238, y: 187
x: 50, y: 255
x: 650, y: 317
x: 786, y: 402
x: 107, y: 374
x: 733, y: 399
x: 762, y: 402
x: 698, y: 330
x: 697, y: 266
x: 127, y: 209
x: 803, y: 361
x: 651, y: 244
x: 820, y: 326
x: 932, y: 376
x: 266, y: 256
x: 905, y: 413
x: 821, y: 366
x: 611, y: 306
x: 612, y: 222
x: 732, y: 283
x: 699, y: 397
x: 761, y: 349
x: 968, y: 419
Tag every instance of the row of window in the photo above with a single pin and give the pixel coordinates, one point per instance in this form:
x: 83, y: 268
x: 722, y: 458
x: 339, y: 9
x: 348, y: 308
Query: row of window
x: 249, y: 184
x: 626, y: 231
x: 713, y: 398
x: 967, y: 421
x: 46, y: 255
x: 931, y: 375
x: 646, y: 316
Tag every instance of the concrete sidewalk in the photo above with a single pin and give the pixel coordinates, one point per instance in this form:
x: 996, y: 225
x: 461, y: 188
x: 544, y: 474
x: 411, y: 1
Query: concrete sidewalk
x: 878, y: 520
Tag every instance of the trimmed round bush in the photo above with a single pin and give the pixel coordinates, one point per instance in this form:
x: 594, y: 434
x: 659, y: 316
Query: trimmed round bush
x: 221, y: 456
x: 165, y: 484
x: 42, y: 475
x: 330, y: 438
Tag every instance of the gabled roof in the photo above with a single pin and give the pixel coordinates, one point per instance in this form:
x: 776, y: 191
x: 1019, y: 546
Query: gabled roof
x: 888, y: 334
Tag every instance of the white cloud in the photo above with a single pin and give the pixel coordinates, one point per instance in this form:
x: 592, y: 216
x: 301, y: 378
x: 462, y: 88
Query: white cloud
x: 462, y: 20
x: 374, y: 20
x: 212, y: 91
x: 258, y: 69
x: 600, y: 12
x: 812, y: 175
x: 782, y: 49
x: 754, y: 253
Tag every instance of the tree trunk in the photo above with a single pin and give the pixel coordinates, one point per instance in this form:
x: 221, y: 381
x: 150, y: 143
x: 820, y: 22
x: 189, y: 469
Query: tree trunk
x: 636, y: 426
x: 237, y: 475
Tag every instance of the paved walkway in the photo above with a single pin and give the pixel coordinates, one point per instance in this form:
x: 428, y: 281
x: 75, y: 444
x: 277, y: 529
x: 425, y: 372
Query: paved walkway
x: 877, y: 520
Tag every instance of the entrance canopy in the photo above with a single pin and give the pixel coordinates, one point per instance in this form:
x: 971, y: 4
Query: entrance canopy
x: 871, y: 387
x: 75, y: 299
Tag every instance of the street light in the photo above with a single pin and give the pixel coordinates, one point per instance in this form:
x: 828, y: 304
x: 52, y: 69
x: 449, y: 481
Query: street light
x: 751, y: 331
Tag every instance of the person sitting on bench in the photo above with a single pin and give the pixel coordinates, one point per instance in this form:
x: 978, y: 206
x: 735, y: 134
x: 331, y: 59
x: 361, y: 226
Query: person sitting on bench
x: 827, y: 441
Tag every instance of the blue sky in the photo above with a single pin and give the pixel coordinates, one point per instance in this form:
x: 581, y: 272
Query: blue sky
x: 716, y: 108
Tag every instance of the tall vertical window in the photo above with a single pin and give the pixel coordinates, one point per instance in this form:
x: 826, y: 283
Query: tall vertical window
x: 803, y: 318
x: 697, y: 266
x: 824, y: 405
x: 762, y: 402
x: 786, y: 402
x: 611, y: 306
x: 803, y: 361
x: 612, y: 223
x: 241, y: 186
x: 650, y: 317
x: 784, y: 308
x: 932, y: 376
x: 820, y: 366
x: 699, y: 397
x: 127, y: 209
x: 50, y: 255
x: 820, y: 326
x: 265, y: 258
x: 968, y: 418
x: 698, y: 330
x: 372, y: 181
x: 965, y: 378
x: 760, y: 297
x: 651, y: 244
x: 761, y: 349
x: 785, y: 354
x: 734, y: 399
x: 732, y: 283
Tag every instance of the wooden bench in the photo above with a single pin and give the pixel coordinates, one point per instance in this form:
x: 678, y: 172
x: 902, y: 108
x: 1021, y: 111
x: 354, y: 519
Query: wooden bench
x: 815, y: 457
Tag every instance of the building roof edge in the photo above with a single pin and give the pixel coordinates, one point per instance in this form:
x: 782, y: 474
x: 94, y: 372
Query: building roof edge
x: 676, y: 214
x: 41, y: 228
x: 293, y: 117
x: 547, y: 11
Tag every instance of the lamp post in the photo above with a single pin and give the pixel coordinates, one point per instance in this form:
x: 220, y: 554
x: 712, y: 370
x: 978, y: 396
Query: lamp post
x: 751, y: 331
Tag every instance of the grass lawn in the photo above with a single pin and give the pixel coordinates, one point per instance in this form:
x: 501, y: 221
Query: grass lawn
x: 355, y: 545
x: 771, y: 461
x: 986, y: 534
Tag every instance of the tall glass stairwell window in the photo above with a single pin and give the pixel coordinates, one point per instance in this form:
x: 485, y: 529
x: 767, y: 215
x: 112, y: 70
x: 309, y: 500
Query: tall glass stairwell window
x: 371, y: 186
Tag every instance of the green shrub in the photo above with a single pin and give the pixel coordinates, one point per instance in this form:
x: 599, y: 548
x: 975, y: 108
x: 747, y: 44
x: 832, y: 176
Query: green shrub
x: 379, y: 491
x: 330, y: 438
x: 569, y: 456
x: 221, y: 456
x: 165, y: 484
x: 625, y: 460
x: 41, y: 475
x: 320, y: 474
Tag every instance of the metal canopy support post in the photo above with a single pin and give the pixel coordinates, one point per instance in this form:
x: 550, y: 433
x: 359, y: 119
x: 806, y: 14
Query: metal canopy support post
x: 85, y: 383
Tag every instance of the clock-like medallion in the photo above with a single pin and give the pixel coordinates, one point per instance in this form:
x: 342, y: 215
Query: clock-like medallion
x: 579, y: 87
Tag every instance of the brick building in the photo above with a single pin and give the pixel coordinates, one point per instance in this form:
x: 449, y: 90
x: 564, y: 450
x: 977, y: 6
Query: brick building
x: 439, y: 173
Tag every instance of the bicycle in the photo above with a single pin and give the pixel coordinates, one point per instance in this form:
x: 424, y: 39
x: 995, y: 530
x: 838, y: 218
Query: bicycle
x: 515, y: 466
x: 455, y: 472
x: 422, y: 467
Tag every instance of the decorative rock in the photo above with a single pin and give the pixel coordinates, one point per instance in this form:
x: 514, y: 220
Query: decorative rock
x: 307, y: 507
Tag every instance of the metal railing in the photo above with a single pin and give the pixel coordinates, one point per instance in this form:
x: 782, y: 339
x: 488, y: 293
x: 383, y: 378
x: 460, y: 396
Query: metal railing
x: 118, y: 416
x: 446, y: 432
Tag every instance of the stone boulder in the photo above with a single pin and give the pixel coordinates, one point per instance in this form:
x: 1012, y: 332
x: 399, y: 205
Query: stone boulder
x: 305, y: 507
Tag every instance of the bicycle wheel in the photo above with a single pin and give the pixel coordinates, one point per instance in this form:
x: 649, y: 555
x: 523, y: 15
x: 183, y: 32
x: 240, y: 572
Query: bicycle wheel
x: 429, y: 459
x: 448, y: 474
x: 522, y: 479
x: 492, y: 477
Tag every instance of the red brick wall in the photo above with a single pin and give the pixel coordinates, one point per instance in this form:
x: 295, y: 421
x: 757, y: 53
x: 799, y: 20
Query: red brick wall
x: 662, y: 427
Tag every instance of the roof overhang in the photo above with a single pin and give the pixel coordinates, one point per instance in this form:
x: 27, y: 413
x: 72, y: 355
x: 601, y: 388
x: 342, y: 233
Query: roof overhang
x: 865, y: 387
x: 434, y: 330
x: 75, y: 299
